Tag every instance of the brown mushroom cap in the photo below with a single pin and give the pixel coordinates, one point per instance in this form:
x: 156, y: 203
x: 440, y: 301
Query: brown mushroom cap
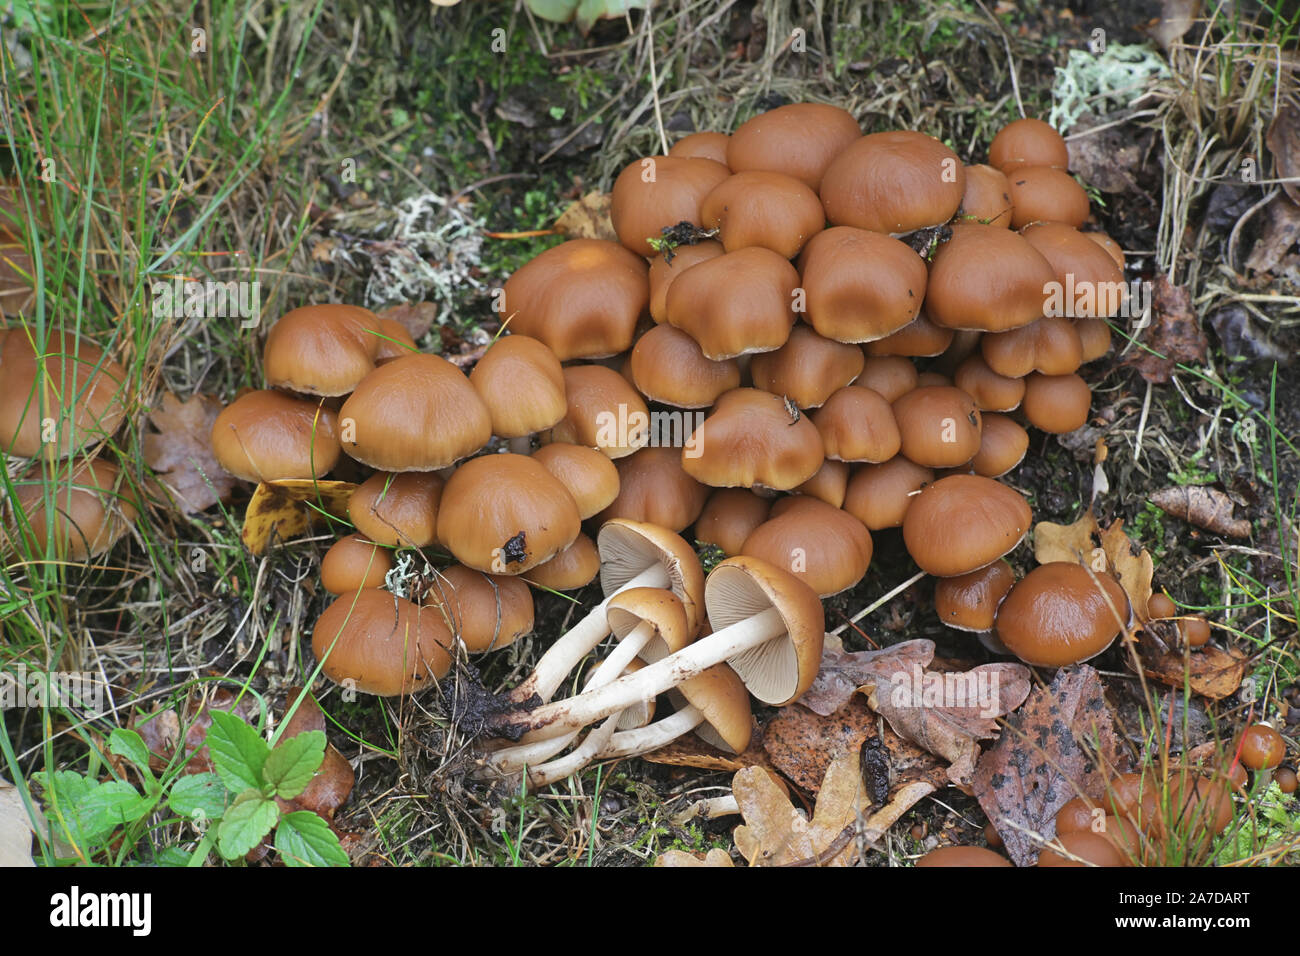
x: 719, y: 694
x: 1050, y: 345
x: 91, y: 510
x: 892, y: 376
x: 939, y: 426
x: 354, y: 562
x: 1113, y: 248
x: 1092, y: 848
x: 486, y: 611
x: 1076, y: 815
x: 829, y: 484
x: 826, y: 548
x: 986, y: 279
x: 894, y: 182
x: 267, y: 435
x: 628, y: 548
x: 857, y: 424
x: 574, y: 567
x: 667, y: 366
x: 378, y: 643
x: 1028, y: 142
x: 400, y: 510
x: 603, y: 411
x: 653, y: 487
x: 588, y: 475
x: 920, y: 337
x: 757, y: 208
x: 1094, y: 338
x: 880, y: 495
x: 81, y: 387
x: 506, y: 514
x: 665, y: 268
x: 778, y: 671
x: 736, y: 303
x: 728, y: 518
x: 657, y: 193
x: 799, y: 140
x: 658, y: 607
x: 581, y: 298
x: 751, y: 439
x: 1262, y: 747
x: 394, y: 341
x: 1061, y: 613
x: 962, y: 523
x: 992, y: 392
x: 1092, y: 284
x: 1056, y: 403
x: 808, y: 369
x: 702, y: 145
x: 1043, y: 194
x: 962, y: 856
x: 987, y: 198
x: 1003, y: 444
x: 322, y: 349
x: 969, y: 602
x: 417, y: 413
x: 861, y: 285
x: 520, y: 381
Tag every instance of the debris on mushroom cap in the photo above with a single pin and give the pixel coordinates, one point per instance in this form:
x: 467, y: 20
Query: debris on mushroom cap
x: 737, y: 303
x: 798, y: 139
x: 857, y: 424
x: 668, y: 265
x: 354, y: 562
x: 825, y: 547
x: 894, y: 182
x: 268, y: 436
x: 417, y: 413
x: 891, y: 375
x: 657, y: 193
x: 754, y: 438
x: 992, y: 391
x: 485, y: 611
x: 807, y: 369
x: 574, y: 567
x: 939, y: 426
x: 702, y: 145
x: 506, y: 514
x: 1062, y: 613
x: 654, y: 487
x: 667, y: 366
x: 962, y: 523
x: 962, y: 856
x: 880, y: 495
x: 729, y: 516
x: 861, y: 285
x: 987, y: 279
x: 90, y: 510
x: 757, y: 208
x: 581, y: 298
x: 1028, y: 142
x: 377, y: 643
x: 603, y: 411
x: 398, y: 510
x: 322, y: 349
x: 1056, y: 403
x: 969, y: 602
x: 1043, y: 194
x: 920, y: 338
x: 520, y: 381
x: 83, y: 392
x: 829, y: 484
x: 987, y: 198
x: 589, y: 476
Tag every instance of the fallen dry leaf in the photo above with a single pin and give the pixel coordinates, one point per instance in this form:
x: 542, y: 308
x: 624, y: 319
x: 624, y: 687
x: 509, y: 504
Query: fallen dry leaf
x: 587, y: 218
x: 843, y: 672
x: 284, y: 509
x: 1210, y: 672
x: 1176, y: 18
x: 161, y: 730
x: 1109, y: 551
x: 1283, y: 140
x: 1061, y: 744
x: 15, y: 828
x: 692, y: 751
x: 1065, y: 542
x: 1131, y: 563
x: 1281, y: 229
x: 715, y: 857
x: 1205, y: 507
x: 416, y: 317
x: 180, y: 452
x: 1242, y: 338
x: 1174, y: 334
x: 776, y: 834
x: 330, y: 788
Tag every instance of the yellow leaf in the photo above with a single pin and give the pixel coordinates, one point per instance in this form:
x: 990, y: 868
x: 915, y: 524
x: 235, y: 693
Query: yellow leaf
x: 287, y: 508
x: 587, y: 218
x: 1064, y: 542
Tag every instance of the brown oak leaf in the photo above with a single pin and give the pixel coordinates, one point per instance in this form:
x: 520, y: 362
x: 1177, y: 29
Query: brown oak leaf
x: 1174, y: 334
x: 180, y: 452
x: 1203, y: 506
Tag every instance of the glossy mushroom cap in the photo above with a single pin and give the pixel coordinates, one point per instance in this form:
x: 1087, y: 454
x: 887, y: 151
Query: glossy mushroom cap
x: 1003, y: 444
x: 1084, y: 269
x: 658, y: 607
x: 1049, y: 345
x: 1028, y: 142
x: 520, y: 381
x: 879, y: 495
x: 602, y: 411
x: 962, y: 856
x: 829, y: 484
x: 939, y: 426
x: 1262, y: 747
x: 582, y: 298
x: 969, y: 602
x: 1043, y: 194
x: 653, y: 487
x: 962, y: 523
x: 719, y: 694
x: 322, y: 349
x: 397, y: 510
x: 987, y: 198
x: 920, y: 337
x: 892, y: 376
x: 665, y: 268
x: 756, y: 208
x: 857, y: 424
x: 1061, y: 613
x: 860, y: 285
x: 986, y: 279
x: 394, y: 341
x: 574, y: 567
x: 807, y: 369
x: 992, y: 392
x: 778, y: 671
x: 750, y: 439
x: 417, y: 413
x: 1090, y: 848
x: 667, y: 366
x: 486, y: 611
x: 728, y: 518
x: 736, y: 303
x: 702, y: 145
x: 91, y: 510
x: 799, y: 140
x: 267, y: 436
x: 353, y: 562
x: 894, y: 182
x: 1056, y: 403
x: 657, y: 193
x: 825, y: 547
x: 588, y: 475
x: 378, y: 643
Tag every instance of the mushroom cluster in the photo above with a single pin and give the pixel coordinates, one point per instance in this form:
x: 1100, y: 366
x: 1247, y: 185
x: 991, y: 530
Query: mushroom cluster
x: 802, y: 335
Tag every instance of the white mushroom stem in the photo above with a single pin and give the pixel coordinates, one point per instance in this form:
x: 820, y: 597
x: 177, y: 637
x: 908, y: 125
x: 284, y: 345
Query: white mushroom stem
x: 597, y: 739
x: 562, y: 656
x: 709, y: 809
x: 647, y: 683
x: 630, y: 743
x: 541, y: 745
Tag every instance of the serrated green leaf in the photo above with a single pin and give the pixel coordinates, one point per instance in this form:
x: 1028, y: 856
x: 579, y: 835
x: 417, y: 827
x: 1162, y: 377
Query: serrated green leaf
x: 245, y: 823
x: 238, y: 753
x: 131, y: 746
x: 304, y: 839
x: 198, y: 794
x: 291, y: 765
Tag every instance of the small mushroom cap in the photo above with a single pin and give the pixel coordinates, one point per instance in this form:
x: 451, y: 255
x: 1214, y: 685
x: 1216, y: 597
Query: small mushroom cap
x: 628, y: 548
x: 799, y: 140
x: 658, y: 607
x: 353, y: 562
x: 894, y: 182
x: 962, y: 523
x: 861, y: 285
x: 667, y: 366
x: 653, y: 487
x: 992, y: 392
x: 920, y: 337
x: 664, y: 269
x: 1043, y: 194
x: 735, y: 303
x: 987, y: 198
x: 581, y: 298
x: 808, y: 368
x: 1113, y: 248
x: 520, y: 381
x: 1028, y: 142
x: 702, y: 145
x: 962, y: 856
x: 417, y: 413
x: 486, y: 611
x: 757, y: 208
x: 506, y: 514
x: 1076, y: 815
x: 1083, y: 267
x: 1092, y: 848
x: 381, y: 644
x: 751, y: 438
x: 590, y: 477
x: 1056, y: 403
x: 603, y: 411
x: 397, y: 510
x: 778, y: 671
x: 728, y: 518
x: 1050, y: 345
x: 1094, y: 337
x: 939, y: 426
x: 657, y: 193
x: 857, y: 424
x: 322, y: 349
x: 1003, y: 444
x: 1262, y: 747
x: 719, y: 694
x: 891, y: 375
x: 268, y: 436
x: 829, y: 484
x: 880, y: 495
x: 574, y: 567
x: 826, y: 548
x: 987, y: 279
x: 1160, y: 606
x: 92, y: 510
x: 1061, y: 613
x: 969, y: 602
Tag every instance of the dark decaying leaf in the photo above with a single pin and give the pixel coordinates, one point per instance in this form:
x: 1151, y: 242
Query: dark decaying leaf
x: 843, y: 672
x: 180, y: 452
x: 1242, y: 338
x: 416, y: 317
x: 333, y: 783
x: 1203, y: 506
x: 1174, y: 333
x: 161, y: 730
x: 1283, y: 142
x: 280, y: 510
x: 1209, y: 672
x: 1061, y: 744
x: 1280, y: 232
